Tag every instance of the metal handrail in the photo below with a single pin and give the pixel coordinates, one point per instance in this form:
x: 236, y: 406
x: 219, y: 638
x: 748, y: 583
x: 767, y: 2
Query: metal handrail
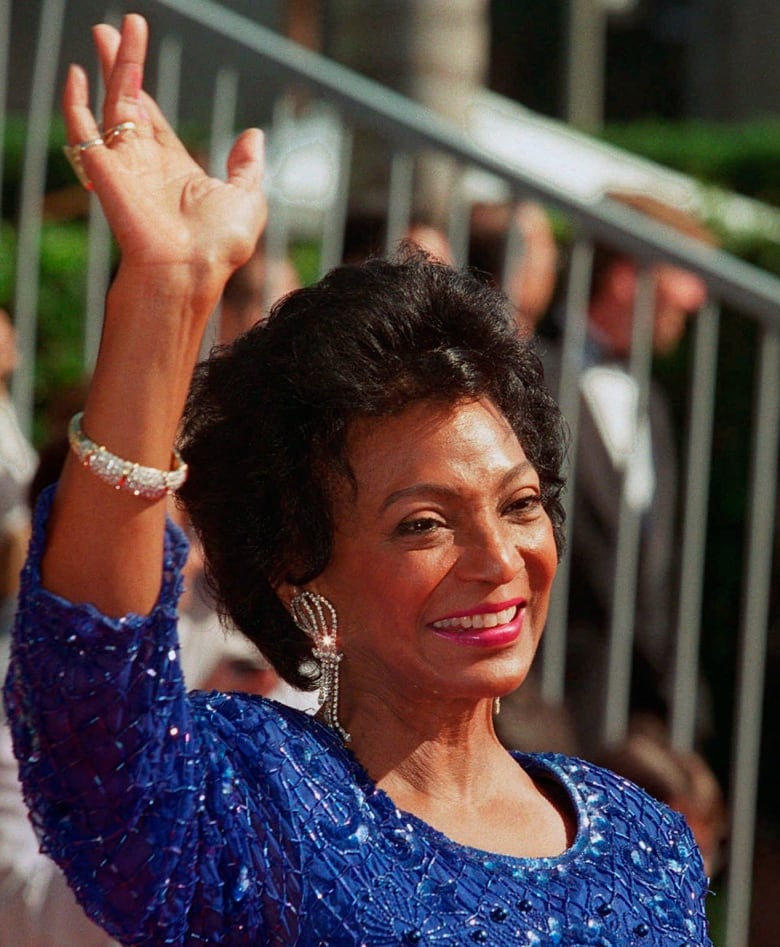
x: 413, y: 127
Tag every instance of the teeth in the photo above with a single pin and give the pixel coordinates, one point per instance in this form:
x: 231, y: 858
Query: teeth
x: 485, y: 620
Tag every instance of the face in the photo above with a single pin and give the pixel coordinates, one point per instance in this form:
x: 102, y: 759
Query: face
x: 678, y: 295
x: 443, y: 557
x: 532, y: 280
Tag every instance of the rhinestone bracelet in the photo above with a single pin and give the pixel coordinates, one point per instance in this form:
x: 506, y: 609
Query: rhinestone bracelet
x: 147, y: 482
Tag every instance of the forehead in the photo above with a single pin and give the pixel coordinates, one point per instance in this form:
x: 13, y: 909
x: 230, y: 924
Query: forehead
x: 429, y: 441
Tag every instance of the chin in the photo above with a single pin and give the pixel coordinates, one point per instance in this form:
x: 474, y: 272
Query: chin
x: 503, y: 678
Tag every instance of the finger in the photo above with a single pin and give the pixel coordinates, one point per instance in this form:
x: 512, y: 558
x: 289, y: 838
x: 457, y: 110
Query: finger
x: 80, y: 124
x: 107, y: 40
x: 81, y: 128
x: 245, y: 163
x: 123, y: 84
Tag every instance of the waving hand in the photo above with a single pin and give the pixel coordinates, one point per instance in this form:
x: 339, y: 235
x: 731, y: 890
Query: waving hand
x: 162, y: 207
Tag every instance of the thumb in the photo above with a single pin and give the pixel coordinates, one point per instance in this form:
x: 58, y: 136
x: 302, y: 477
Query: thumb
x: 246, y: 161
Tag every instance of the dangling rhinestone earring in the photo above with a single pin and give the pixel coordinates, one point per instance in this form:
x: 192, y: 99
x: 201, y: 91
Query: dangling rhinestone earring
x: 316, y: 617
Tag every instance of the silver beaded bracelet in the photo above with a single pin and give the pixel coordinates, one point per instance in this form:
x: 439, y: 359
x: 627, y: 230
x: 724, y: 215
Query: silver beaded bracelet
x: 147, y: 482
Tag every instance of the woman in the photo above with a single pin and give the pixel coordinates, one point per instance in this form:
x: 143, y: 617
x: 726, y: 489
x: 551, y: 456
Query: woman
x: 375, y: 477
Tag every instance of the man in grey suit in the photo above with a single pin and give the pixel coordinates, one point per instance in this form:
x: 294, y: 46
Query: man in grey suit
x: 621, y: 447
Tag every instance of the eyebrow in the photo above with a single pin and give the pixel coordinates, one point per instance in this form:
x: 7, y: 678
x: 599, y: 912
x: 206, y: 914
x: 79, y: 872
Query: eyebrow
x: 447, y: 493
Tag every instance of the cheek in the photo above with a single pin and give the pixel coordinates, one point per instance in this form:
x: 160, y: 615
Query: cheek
x: 401, y: 589
x: 543, y: 558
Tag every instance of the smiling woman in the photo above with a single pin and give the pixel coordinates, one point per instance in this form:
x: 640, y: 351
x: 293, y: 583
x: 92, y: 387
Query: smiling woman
x: 375, y: 476
x: 443, y: 548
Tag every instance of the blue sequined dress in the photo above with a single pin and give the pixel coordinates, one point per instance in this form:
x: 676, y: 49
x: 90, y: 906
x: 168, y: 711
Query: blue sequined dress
x: 214, y: 819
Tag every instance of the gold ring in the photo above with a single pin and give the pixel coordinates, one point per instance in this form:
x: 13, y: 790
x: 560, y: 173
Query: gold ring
x: 73, y: 154
x: 115, y: 131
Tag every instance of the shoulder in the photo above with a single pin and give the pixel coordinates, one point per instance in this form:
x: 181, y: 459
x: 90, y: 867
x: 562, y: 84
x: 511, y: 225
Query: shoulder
x: 241, y: 713
x: 631, y: 850
x: 284, y: 763
x: 615, y: 804
x: 267, y: 735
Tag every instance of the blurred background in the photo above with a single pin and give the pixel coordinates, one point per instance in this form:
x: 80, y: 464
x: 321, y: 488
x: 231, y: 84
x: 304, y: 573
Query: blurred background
x: 388, y: 115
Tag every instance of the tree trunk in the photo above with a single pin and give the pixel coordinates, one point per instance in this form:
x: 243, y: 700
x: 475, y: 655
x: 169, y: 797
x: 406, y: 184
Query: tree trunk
x: 434, y: 51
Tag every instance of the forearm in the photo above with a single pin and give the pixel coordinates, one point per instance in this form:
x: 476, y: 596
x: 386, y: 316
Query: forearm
x: 181, y: 233
x: 105, y: 545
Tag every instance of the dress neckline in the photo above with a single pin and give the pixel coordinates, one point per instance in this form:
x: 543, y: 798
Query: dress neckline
x: 549, y: 766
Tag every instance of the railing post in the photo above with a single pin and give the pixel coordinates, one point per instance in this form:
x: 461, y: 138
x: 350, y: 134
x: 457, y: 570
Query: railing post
x: 694, y: 532
x: 400, y: 199
x: 622, y: 619
x: 31, y: 210
x: 586, y: 51
x: 752, y: 656
x: 576, y: 307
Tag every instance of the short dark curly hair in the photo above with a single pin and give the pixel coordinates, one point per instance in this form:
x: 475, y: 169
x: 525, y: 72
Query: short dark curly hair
x: 265, y: 426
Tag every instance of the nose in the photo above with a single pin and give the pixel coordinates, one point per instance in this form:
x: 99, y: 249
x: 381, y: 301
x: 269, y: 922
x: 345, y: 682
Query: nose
x: 491, y: 554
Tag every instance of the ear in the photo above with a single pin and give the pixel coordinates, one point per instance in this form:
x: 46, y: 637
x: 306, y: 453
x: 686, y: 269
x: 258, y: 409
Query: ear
x: 286, y: 592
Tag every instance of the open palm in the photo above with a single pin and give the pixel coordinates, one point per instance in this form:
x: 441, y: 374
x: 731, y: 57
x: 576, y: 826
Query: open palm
x: 162, y: 207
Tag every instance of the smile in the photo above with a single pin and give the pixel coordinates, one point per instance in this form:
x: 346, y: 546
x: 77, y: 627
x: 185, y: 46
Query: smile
x: 481, y: 620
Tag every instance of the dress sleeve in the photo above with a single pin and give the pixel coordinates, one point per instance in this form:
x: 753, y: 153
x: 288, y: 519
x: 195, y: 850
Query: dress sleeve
x: 694, y: 884
x: 108, y: 759
x: 37, y: 906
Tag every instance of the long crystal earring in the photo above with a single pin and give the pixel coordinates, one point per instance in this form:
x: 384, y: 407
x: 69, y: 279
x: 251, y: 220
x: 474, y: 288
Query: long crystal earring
x: 316, y: 617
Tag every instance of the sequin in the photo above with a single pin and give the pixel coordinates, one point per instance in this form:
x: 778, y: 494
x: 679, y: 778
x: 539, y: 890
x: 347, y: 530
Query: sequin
x: 213, y: 819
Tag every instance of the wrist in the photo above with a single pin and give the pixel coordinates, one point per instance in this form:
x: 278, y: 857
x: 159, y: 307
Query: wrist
x: 180, y: 290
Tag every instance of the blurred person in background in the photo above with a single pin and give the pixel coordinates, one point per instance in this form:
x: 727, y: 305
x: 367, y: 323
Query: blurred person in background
x: 529, y: 276
x: 365, y: 238
x: 252, y: 289
x: 17, y: 466
x: 619, y: 449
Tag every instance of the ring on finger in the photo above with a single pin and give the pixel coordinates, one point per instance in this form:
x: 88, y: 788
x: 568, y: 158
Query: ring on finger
x: 110, y: 134
x: 73, y: 154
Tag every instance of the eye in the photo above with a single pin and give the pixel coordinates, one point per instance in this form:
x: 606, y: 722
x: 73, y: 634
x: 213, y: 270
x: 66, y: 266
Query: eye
x: 419, y: 526
x: 523, y: 507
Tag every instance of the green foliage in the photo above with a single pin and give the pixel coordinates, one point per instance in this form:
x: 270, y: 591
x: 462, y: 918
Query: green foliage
x: 744, y: 158
x: 305, y: 255
x: 61, y: 305
x: 7, y: 258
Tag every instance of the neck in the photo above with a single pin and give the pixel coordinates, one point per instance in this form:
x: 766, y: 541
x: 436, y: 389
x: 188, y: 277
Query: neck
x: 439, y: 748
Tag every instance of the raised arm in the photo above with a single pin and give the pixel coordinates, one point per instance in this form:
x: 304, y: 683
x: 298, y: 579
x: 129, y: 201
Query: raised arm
x: 181, y: 234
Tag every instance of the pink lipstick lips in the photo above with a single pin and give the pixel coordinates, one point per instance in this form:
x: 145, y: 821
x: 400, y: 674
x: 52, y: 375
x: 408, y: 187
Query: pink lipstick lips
x: 487, y: 626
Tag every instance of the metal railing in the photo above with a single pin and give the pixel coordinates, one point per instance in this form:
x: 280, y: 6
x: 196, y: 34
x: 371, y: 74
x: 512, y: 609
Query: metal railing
x: 352, y: 102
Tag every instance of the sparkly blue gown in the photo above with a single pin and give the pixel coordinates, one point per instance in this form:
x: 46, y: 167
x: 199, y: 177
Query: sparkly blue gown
x: 219, y: 819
